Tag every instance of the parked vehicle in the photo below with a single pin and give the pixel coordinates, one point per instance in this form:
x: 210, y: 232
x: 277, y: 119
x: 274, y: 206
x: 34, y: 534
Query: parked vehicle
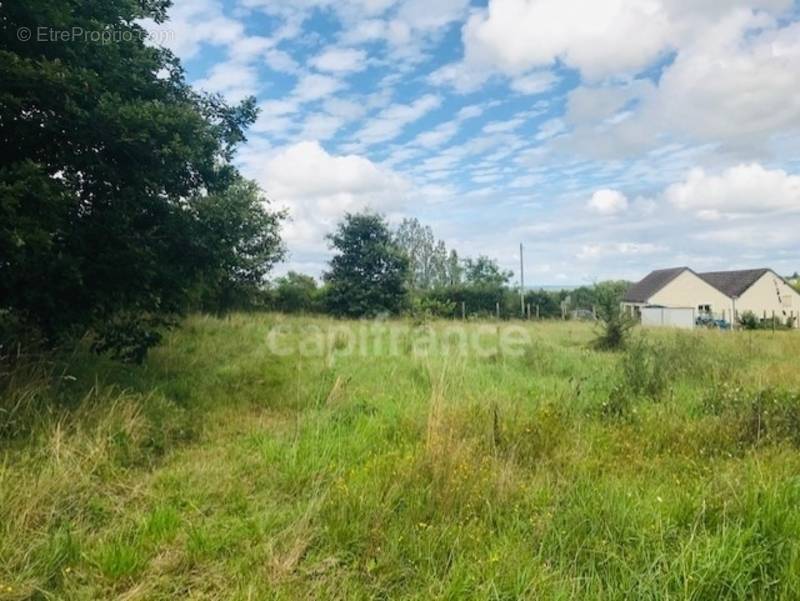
x: 707, y: 320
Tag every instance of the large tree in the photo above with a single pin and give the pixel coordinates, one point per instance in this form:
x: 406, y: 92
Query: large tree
x: 485, y: 272
x: 369, y: 272
x: 113, y: 169
x: 428, y: 259
x: 239, y: 241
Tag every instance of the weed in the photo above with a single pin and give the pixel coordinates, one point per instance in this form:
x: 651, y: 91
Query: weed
x: 219, y: 470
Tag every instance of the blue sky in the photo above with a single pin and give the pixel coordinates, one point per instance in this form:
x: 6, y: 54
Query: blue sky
x: 610, y: 137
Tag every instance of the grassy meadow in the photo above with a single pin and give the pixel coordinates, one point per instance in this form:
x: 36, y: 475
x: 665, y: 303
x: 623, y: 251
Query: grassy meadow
x: 239, y: 464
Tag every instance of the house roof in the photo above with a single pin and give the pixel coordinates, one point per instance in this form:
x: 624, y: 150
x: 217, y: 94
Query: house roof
x: 641, y: 291
x: 730, y: 283
x: 733, y: 283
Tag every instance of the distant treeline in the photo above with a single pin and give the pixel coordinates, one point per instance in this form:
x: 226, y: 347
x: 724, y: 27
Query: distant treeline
x: 427, y: 279
x: 300, y: 293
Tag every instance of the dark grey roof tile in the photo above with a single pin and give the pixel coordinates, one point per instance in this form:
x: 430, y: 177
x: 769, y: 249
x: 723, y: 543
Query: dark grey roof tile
x: 733, y: 283
x: 641, y: 291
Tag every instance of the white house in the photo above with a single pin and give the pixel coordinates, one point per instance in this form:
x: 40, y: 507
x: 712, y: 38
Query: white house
x: 720, y: 293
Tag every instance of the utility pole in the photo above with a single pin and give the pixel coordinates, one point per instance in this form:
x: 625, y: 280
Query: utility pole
x: 521, y: 283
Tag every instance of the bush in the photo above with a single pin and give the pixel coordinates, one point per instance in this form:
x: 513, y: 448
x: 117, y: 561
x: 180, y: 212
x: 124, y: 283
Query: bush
x: 423, y: 307
x: 296, y: 292
x: 750, y: 321
x: 128, y: 336
x: 478, y: 299
x: 615, y: 324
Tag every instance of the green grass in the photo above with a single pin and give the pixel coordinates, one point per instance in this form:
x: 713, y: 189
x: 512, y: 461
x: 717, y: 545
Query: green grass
x: 222, y: 469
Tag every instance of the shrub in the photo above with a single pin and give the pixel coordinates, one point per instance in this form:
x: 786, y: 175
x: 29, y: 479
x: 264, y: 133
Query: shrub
x: 749, y: 321
x: 128, y: 336
x: 423, y: 307
x: 615, y: 324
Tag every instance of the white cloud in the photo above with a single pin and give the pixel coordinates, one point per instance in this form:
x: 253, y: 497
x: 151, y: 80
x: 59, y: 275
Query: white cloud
x: 232, y: 79
x: 596, y: 251
x: 735, y: 84
x: 524, y: 181
x: 430, y: 15
x: 407, y: 27
x: 340, y: 60
x: 534, y: 83
x: 320, y: 126
x: 313, y: 86
x: 732, y: 85
x: 348, y: 110
x: 278, y: 107
x: 463, y: 77
x: 437, y: 136
x: 469, y: 112
x: 274, y: 116
x: 550, y: 129
x: 392, y: 120
x: 280, y: 61
x: 725, y: 98
x: 494, y: 127
x: 743, y: 189
x: 248, y: 47
x: 608, y: 202
x: 194, y: 23
x: 319, y: 187
x: 599, y: 37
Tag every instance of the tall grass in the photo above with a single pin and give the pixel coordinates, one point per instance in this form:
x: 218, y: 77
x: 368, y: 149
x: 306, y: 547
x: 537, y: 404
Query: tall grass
x: 221, y: 469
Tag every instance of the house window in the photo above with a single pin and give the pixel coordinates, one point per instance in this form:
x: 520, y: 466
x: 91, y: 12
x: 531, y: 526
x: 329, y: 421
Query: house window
x: 704, y: 308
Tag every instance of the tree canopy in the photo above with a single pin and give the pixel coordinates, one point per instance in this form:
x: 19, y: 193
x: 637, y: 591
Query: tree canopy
x: 369, y: 272
x: 296, y: 292
x: 485, y: 272
x: 430, y: 264
x: 117, y: 192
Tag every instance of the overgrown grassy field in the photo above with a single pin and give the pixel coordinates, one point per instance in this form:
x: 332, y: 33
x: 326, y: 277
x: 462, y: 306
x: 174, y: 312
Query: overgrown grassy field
x: 229, y: 466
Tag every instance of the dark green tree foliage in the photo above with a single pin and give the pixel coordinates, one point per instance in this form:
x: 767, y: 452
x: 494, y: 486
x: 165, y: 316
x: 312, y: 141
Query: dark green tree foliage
x: 586, y: 297
x: 369, y: 272
x: 548, y: 302
x: 486, y: 273
x: 481, y: 284
x: 478, y: 300
x: 296, y: 292
x: 240, y: 241
x: 117, y: 194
